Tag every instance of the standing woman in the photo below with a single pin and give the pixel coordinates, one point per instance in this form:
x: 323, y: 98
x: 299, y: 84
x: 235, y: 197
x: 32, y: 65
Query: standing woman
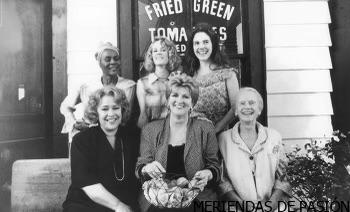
x: 74, y: 104
x: 161, y: 59
x: 218, y: 84
x: 254, y: 160
x: 181, y: 144
x: 103, y: 158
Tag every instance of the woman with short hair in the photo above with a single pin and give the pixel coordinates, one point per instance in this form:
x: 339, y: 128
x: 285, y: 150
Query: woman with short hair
x: 73, y: 106
x: 254, y: 160
x: 103, y: 158
x: 181, y: 144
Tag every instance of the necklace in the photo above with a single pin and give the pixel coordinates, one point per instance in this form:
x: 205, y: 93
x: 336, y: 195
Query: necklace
x: 115, y: 173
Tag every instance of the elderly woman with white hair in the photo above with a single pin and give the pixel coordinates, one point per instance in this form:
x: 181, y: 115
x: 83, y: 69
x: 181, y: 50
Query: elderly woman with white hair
x: 253, y: 157
x: 72, y: 107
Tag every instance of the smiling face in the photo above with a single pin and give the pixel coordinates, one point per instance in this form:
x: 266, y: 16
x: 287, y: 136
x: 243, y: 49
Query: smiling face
x: 110, y: 62
x: 248, y: 108
x: 109, y: 114
x: 202, y: 46
x: 160, y: 53
x: 180, y: 101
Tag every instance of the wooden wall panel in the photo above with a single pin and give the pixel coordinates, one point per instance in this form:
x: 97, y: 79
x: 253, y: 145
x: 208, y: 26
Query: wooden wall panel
x: 297, y: 35
x: 296, y: 12
x: 298, y: 81
x: 299, y: 104
x: 302, y: 127
x: 298, y: 58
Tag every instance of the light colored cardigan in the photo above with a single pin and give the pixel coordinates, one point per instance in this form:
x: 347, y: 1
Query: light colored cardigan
x: 253, y: 174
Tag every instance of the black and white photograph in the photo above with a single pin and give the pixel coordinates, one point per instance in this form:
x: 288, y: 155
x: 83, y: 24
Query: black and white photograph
x: 174, y: 105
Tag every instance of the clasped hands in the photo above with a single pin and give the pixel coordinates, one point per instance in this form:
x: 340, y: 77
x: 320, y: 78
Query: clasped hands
x: 199, y: 180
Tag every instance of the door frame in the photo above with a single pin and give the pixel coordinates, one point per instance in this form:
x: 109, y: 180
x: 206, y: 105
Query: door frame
x: 254, y: 73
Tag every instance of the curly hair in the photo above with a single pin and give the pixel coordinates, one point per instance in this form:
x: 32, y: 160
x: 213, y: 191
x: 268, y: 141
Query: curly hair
x: 174, y: 59
x: 218, y: 58
x: 182, y: 80
x: 95, y: 99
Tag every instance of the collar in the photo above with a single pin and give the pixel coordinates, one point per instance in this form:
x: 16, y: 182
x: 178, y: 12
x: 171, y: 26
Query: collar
x: 259, y: 144
x: 152, y: 77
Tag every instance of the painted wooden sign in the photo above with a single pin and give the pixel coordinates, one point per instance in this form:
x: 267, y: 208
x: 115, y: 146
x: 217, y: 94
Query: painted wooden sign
x: 176, y: 18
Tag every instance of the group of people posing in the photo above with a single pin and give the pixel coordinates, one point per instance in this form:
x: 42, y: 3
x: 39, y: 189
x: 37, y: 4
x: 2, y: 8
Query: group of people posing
x: 186, y: 110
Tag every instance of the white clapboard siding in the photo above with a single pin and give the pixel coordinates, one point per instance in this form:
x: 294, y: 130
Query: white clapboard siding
x: 298, y: 58
x: 296, y: 12
x: 297, y: 35
x: 290, y: 144
x: 300, y: 104
x: 298, y: 64
x: 302, y: 127
x: 286, y: 81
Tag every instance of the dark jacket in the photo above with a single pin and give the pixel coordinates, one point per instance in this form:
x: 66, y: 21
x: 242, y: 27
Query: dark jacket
x: 201, y: 150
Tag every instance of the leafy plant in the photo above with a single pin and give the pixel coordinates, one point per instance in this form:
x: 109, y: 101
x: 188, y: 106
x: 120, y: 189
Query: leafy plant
x: 318, y: 171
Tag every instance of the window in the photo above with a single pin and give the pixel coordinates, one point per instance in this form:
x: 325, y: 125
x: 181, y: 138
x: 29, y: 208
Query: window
x: 176, y: 18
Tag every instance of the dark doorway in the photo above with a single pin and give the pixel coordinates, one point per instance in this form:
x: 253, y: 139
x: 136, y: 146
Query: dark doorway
x: 25, y: 85
x: 340, y: 51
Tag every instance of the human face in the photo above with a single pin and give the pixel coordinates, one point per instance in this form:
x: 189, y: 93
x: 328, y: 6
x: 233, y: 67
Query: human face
x: 180, y: 101
x: 248, y: 107
x: 109, y: 114
x: 202, y: 46
x: 110, y: 62
x: 160, y: 53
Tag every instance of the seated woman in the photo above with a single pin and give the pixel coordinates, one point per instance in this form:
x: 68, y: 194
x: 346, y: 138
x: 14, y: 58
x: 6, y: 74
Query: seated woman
x: 254, y: 160
x: 103, y: 158
x: 161, y: 59
x: 181, y: 144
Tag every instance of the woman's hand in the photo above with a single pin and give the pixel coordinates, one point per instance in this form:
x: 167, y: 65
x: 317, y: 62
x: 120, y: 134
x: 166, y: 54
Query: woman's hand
x: 201, y: 178
x: 153, y: 169
x: 122, y: 208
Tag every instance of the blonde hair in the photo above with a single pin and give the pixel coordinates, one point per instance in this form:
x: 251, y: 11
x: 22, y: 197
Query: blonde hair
x: 182, y: 80
x: 174, y: 59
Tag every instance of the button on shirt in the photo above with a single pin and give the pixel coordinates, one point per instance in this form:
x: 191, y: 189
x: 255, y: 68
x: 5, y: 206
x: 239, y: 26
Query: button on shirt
x: 253, y: 174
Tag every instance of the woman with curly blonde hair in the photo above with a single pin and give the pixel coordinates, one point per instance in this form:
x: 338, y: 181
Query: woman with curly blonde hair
x: 161, y: 59
x: 103, y: 158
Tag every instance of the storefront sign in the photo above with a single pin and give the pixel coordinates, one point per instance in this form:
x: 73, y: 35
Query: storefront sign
x: 176, y: 18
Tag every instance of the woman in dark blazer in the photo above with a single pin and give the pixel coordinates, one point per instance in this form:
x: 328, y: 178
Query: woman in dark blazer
x: 181, y: 144
x: 103, y: 158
